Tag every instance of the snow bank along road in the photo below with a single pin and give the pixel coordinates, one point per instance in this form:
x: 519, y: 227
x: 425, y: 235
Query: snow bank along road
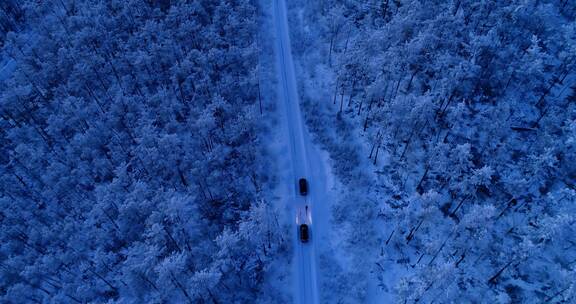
x: 306, y: 162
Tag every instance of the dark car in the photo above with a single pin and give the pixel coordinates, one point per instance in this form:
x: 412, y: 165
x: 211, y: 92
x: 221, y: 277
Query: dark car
x: 304, y: 233
x: 303, y: 186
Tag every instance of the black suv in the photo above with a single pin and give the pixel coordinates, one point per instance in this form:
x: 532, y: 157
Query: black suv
x: 304, y: 233
x: 303, y: 186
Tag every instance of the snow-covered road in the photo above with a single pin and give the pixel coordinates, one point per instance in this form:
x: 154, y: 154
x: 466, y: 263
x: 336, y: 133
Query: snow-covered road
x: 306, y: 162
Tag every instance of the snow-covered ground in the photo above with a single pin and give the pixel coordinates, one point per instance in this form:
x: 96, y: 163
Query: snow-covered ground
x: 306, y: 162
x: 347, y: 261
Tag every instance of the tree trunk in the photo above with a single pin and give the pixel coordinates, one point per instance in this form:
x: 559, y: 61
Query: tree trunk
x: 493, y: 279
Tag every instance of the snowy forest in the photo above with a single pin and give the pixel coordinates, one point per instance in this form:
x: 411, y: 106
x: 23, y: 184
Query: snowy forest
x: 142, y: 158
x: 129, y: 153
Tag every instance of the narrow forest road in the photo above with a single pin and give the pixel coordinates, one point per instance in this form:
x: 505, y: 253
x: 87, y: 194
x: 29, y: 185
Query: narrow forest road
x: 306, y: 162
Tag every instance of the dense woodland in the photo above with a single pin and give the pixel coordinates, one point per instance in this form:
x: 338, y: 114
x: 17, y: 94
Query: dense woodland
x: 129, y: 143
x: 468, y: 112
x: 132, y: 167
